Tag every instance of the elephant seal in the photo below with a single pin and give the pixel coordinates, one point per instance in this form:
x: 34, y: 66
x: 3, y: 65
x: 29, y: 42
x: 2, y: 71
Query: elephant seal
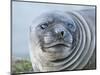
x: 63, y: 40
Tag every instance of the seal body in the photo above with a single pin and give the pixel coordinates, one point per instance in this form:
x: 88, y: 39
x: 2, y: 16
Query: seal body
x: 63, y: 41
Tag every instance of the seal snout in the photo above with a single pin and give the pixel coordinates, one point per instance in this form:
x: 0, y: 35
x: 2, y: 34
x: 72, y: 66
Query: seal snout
x: 60, y: 32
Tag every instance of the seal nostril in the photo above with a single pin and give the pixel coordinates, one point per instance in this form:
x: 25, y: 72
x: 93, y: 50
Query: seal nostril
x: 62, y: 33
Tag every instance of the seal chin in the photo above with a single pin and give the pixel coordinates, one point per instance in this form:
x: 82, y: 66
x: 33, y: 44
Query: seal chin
x: 57, y: 51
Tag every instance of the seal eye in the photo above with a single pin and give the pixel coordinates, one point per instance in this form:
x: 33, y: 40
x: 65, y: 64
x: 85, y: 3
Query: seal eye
x: 70, y: 25
x: 43, y: 26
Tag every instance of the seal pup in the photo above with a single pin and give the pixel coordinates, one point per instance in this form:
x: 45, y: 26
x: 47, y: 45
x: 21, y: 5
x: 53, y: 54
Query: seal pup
x: 62, y: 40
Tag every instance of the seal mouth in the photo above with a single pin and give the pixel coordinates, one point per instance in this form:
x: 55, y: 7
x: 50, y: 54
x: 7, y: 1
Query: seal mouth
x: 57, y: 44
